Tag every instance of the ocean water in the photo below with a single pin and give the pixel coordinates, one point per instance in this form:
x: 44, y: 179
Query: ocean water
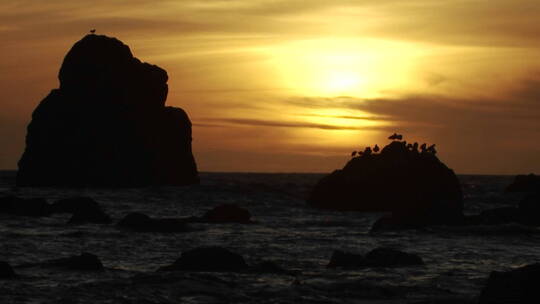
x: 287, y: 232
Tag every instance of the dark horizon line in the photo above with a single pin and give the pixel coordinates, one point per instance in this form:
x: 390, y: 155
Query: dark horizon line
x: 321, y: 172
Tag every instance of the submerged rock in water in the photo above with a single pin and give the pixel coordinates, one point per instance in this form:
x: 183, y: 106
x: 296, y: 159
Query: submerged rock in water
x: 209, y: 259
x: 272, y: 268
x: 74, y: 204
x: 6, y: 272
x: 378, y: 257
x: 530, y: 209
x: 35, y: 207
x: 527, y: 213
x: 143, y: 223
x: 84, y: 210
x: 227, y: 213
x: 416, y: 187
x: 347, y: 260
x: 83, y: 262
x: 388, y: 257
x: 525, y: 183
x: 495, y: 216
x: 96, y: 216
x: 516, y: 286
x: 107, y: 124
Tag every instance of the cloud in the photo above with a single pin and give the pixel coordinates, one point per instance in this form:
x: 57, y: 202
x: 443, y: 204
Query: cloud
x: 368, y: 118
x: 287, y: 124
x: 480, y: 23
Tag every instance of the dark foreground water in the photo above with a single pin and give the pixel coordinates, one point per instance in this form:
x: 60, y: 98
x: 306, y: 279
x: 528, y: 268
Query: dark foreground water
x: 458, y: 260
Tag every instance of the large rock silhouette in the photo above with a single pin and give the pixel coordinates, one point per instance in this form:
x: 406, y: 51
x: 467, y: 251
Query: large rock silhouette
x: 107, y: 124
x: 416, y: 187
x: 525, y: 183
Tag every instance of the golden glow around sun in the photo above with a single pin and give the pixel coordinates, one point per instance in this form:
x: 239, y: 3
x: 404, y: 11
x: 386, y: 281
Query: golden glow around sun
x: 339, y: 67
x: 342, y: 81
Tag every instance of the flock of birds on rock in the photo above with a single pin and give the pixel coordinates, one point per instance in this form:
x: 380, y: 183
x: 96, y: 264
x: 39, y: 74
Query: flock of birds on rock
x: 397, y: 137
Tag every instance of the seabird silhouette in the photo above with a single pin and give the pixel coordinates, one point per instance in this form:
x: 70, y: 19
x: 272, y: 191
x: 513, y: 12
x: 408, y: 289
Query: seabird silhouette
x: 399, y: 136
x: 432, y: 149
x: 393, y: 136
x: 353, y: 154
x: 367, y: 151
x: 423, y: 147
x: 92, y: 31
x: 376, y: 149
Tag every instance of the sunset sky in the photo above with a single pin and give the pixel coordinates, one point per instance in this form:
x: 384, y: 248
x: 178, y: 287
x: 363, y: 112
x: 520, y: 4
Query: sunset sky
x: 296, y: 85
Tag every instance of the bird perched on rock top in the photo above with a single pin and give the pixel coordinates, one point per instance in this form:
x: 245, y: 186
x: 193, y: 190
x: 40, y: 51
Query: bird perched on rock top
x: 393, y: 136
x: 92, y: 31
x: 415, y: 147
x: 431, y: 149
x: 367, y: 151
x: 376, y: 149
x: 423, y: 147
x: 353, y: 154
x: 399, y: 137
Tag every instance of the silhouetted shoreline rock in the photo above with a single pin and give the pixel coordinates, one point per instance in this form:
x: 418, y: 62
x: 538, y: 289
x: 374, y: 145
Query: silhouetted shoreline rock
x: 416, y: 187
x: 525, y: 183
x: 83, y: 209
x: 96, y: 216
x: 83, y: 262
x: 74, y: 204
x: 527, y: 213
x: 272, y: 268
x: 140, y: 222
x: 107, y: 125
x: 211, y: 259
x: 378, y: 257
x: 226, y: 213
x: 6, y: 271
x: 34, y: 207
x: 515, y: 286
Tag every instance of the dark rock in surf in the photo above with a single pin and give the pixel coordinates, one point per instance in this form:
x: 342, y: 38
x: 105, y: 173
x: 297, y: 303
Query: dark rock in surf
x: 107, y: 124
x: 388, y: 257
x: 496, y: 216
x: 516, y: 286
x: 525, y: 183
x: 84, y: 210
x: 74, y: 204
x: 272, y: 268
x: 378, y: 257
x: 140, y: 222
x: 529, y: 208
x: 227, y: 213
x: 35, y: 207
x: 527, y: 213
x: 5, y: 204
x: 211, y: 259
x: 6, y: 272
x: 83, y: 262
x: 346, y: 260
x: 416, y: 187
x: 393, y: 223
x: 95, y: 216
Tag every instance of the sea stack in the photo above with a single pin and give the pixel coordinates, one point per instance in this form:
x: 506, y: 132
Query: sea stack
x: 107, y: 125
x: 416, y: 187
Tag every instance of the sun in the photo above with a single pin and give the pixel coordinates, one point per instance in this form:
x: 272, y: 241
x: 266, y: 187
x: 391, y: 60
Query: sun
x: 337, y: 82
x: 343, y: 67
